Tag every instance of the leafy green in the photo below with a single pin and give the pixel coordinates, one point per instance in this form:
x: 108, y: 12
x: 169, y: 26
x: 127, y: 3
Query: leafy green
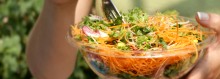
x: 138, y: 30
x: 94, y: 24
x: 142, y: 42
x: 78, y: 37
x: 164, y: 44
x: 90, y: 39
x: 135, y: 15
x: 118, y: 21
x: 115, y: 34
x: 122, y: 46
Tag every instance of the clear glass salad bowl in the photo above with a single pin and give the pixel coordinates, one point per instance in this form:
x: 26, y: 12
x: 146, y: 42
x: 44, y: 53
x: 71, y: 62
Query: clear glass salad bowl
x: 110, y: 63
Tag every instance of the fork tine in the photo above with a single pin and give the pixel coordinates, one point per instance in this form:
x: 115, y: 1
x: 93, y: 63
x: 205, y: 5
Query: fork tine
x: 115, y: 14
x: 108, y: 13
x: 107, y: 9
x: 110, y: 10
x: 114, y: 9
x: 112, y: 16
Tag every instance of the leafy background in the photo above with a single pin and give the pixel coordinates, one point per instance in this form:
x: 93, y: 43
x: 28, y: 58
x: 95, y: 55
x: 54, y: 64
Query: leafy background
x: 16, y: 19
x: 18, y: 16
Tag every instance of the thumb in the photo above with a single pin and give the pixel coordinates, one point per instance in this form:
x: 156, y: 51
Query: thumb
x: 209, y: 20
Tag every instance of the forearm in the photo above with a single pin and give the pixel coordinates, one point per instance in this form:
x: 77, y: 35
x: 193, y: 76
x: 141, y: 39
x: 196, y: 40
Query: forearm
x: 48, y: 53
x: 82, y: 10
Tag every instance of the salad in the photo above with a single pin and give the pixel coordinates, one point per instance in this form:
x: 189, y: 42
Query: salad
x: 139, y: 47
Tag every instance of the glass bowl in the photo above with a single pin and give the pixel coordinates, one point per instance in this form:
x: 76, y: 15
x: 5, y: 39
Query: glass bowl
x: 110, y: 63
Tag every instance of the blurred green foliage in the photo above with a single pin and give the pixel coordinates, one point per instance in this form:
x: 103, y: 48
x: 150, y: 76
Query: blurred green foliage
x: 16, y: 19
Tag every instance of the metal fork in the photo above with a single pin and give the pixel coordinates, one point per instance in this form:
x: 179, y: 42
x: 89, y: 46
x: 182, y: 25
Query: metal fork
x: 111, y: 12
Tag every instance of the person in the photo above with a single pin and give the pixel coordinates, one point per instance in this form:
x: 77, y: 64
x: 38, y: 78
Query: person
x: 49, y: 56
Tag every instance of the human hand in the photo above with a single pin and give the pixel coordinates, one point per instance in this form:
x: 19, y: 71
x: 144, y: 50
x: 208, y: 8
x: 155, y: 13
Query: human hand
x: 209, y: 67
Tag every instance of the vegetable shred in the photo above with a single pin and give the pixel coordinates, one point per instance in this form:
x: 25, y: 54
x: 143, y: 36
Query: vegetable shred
x: 114, y: 40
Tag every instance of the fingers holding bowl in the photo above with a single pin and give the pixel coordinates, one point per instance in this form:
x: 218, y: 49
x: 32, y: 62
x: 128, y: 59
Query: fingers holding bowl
x: 208, y: 68
x: 209, y: 20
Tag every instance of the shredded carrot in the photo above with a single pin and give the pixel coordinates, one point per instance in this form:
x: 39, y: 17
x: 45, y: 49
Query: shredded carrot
x: 113, y: 58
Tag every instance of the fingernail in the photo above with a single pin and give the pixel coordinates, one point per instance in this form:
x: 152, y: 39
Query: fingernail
x: 203, y: 16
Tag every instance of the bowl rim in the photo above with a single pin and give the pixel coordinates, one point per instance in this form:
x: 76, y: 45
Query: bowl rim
x: 151, y: 53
